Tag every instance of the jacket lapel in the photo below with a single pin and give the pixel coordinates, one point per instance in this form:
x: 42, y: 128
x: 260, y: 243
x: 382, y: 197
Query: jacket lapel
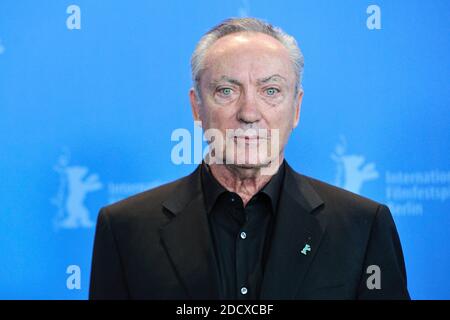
x: 188, y: 241
x: 296, y: 230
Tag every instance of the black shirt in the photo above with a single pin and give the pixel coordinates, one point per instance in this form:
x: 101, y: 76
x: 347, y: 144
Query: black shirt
x: 241, y: 235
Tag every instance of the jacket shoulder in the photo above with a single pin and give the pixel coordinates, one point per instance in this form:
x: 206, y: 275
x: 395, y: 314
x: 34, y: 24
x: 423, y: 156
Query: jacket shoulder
x: 146, y: 203
x: 333, y: 192
x: 342, y: 203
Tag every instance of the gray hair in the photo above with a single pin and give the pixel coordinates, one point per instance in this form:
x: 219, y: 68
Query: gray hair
x: 234, y: 25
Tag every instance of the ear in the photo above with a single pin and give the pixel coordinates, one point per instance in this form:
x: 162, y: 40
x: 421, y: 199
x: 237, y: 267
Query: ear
x: 195, y: 105
x: 298, y: 106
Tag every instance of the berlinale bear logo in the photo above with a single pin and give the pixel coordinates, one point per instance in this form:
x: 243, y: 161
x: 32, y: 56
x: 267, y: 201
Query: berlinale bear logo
x: 352, y: 171
x: 75, y: 184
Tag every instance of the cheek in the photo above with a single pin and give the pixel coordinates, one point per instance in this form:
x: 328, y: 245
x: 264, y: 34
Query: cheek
x: 216, y: 118
x: 221, y: 116
x: 282, y: 120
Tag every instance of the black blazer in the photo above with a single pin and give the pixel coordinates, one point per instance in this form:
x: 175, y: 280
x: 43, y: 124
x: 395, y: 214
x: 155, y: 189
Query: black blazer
x: 157, y: 245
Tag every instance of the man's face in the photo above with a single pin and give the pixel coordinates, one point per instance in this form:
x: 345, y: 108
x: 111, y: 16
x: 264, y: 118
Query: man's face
x: 248, y: 82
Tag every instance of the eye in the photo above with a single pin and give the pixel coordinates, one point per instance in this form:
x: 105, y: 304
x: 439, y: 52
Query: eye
x: 272, y: 91
x: 225, y: 91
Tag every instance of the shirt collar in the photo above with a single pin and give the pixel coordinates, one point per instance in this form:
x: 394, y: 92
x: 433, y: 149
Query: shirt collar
x: 212, y: 189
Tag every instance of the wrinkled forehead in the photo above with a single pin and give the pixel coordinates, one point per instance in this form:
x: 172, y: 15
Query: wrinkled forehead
x: 247, y: 55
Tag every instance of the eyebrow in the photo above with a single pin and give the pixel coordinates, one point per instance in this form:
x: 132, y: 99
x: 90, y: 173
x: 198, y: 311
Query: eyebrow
x: 274, y: 77
x: 225, y: 79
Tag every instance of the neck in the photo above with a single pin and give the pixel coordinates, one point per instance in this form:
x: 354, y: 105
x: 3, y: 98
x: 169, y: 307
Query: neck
x: 245, y: 181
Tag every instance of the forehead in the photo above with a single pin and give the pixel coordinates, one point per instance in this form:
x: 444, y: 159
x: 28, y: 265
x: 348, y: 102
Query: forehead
x: 246, y: 54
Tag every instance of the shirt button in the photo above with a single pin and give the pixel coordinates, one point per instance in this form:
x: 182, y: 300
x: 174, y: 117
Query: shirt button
x: 244, y: 290
x: 243, y: 235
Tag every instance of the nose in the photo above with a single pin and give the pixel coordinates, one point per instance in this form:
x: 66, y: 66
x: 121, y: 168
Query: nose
x: 248, y: 109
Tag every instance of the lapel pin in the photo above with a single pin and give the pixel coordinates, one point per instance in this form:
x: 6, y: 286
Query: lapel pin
x: 306, y: 249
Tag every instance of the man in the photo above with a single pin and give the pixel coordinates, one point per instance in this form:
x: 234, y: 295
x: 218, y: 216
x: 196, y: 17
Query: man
x: 233, y: 229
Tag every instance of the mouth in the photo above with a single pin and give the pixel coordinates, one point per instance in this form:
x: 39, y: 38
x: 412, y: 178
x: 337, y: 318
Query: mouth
x: 248, y: 139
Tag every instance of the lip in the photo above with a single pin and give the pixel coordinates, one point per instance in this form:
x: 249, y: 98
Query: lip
x: 248, y: 139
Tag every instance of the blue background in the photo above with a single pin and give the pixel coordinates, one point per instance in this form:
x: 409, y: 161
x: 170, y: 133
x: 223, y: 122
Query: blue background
x: 108, y: 96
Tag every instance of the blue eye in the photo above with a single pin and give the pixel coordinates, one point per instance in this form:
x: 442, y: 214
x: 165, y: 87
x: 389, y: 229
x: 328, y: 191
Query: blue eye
x: 272, y: 91
x: 226, y: 91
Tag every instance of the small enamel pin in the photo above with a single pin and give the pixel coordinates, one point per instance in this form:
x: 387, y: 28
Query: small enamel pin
x: 306, y: 249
